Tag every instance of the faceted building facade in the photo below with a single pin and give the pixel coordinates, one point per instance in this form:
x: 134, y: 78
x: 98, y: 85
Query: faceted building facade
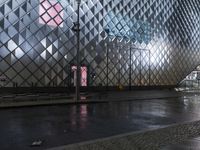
x: 122, y: 42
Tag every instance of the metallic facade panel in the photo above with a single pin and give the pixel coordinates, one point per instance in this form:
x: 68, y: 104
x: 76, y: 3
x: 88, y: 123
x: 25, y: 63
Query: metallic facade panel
x: 126, y: 42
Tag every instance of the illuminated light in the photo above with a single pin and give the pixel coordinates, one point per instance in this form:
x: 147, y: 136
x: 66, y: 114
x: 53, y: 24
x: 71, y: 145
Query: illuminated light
x: 83, y: 75
x: 51, y: 13
x: 157, y: 52
x: 19, y: 53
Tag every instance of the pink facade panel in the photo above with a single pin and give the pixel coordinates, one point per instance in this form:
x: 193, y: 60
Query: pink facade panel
x: 51, y: 13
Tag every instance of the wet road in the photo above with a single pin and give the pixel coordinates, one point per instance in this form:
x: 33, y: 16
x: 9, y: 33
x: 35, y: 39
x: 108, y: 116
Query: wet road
x: 66, y: 124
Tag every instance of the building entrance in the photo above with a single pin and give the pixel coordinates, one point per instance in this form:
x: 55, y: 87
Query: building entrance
x: 83, y: 72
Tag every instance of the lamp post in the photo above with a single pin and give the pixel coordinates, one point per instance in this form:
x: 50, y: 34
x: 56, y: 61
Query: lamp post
x: 107, y: 52
x: 76, y: 28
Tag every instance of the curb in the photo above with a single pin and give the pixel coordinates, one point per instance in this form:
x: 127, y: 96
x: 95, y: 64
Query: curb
x: 50, y: 102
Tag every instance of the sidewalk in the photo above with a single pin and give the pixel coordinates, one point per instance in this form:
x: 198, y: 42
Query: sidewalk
x: 191, y: 144
x: 39, y: 99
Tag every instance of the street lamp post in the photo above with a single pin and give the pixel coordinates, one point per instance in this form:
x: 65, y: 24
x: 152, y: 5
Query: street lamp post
x: 76, y: 28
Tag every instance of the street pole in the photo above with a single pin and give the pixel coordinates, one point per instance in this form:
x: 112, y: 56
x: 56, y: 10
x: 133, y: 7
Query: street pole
x: 78, y: 52
x: 130, y: 65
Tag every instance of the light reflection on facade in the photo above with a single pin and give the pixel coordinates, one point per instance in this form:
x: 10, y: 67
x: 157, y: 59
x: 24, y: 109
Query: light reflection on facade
x: 38, y: 45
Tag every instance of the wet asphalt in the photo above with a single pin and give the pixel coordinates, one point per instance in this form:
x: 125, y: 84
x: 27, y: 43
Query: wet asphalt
x: 67, y: 124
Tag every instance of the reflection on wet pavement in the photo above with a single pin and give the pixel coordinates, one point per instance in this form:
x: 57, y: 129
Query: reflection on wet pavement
x: 61, y: 125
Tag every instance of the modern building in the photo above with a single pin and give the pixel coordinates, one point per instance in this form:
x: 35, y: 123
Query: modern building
x: 122, y: 42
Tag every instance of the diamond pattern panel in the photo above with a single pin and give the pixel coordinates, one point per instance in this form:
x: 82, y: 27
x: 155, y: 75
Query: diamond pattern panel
x: 142, y: 42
